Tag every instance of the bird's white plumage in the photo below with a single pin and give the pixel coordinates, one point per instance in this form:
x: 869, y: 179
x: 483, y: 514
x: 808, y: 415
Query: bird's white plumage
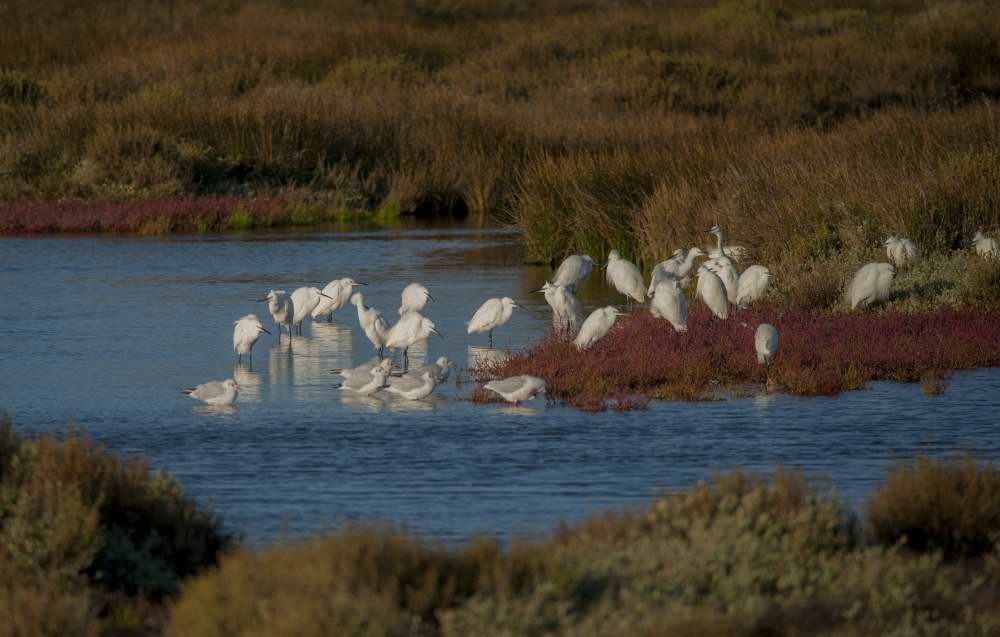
x: 765, y: 342
x: 337, y: 294
x: 371, y: 321
x: 871, y: 283
x: 414, y: 298
x: 411, y: 328
x: 726, y: 272
x: 365, y: 384
x: 517, y: 388
x: 985, y: 246
x: 365, y: 368
x: 712, y: 291
x: 491, y: 315
x: 280, y: 309
x: 900, y: 250
x: 676, y: 267
x: 412, y: 388
x: 304, y: 301
x: 217, y: 393
x: 669, y: 303
x: 597, y: 325
x: 721, y: 251
x: 246, y: 331
x: 625, y: 277
x: 440, y: 369
x: 753, y: 284
x: 573, y: 271
x: 566, y: 311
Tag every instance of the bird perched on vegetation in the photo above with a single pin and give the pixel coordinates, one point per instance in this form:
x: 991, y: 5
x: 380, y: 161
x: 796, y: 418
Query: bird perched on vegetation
x: 337, y: 294
x: 414, y: 298
x: 668, y: 303
x: 491, y: 315
x: 596, y: 326
x: 304, y: 301
x: 517, y: 389
x: 711, y: 290
x: 216, y: 393
x: 412, y: 388
x: 985, y: 246
x: 765, y: 341
x: 900, y: 250
x: 872, y: 283
x: 365, y: 384
x: 371, y: 322
x: 625, y: 277
x: 280, y: 309
x: 726, y: 272
x: 752, y: 285
x: 721, y: 251
x: 412, y: 327
x: 573, y: 271
x: 567, y: 315
x: 676, y: 267
x: 246, y: 331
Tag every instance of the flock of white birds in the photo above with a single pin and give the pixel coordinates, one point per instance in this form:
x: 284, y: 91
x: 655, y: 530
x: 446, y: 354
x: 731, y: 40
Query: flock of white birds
x: 720, y: 285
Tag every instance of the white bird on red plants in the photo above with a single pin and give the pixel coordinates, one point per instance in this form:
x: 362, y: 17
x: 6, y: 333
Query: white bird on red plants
x: 280, y: 309
x: 985, y: 246
x: 246, y: 331
x: 216, y: 393
x: 873, y: 282
x: 765, y: 342
x: 573, y: 271
x: 412, y: 327
x: 517, y: 389
x: 752, y: 285
x: 304, y: 301
x: 722, y: 251
x: 491, y: 315
x: 597, y: 325
x: 414, y: 298
x: 676, y: 267
x: 337, y: 294
x: 712, y: 291
x: 625, y: 277
x: 371, y: 322
x: 668, y: 303
x: 900, y: 250
x: 726, y: 272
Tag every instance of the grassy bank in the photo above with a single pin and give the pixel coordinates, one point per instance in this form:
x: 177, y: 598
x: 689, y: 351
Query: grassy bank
x: 92, y: 545
x: 592, y: 123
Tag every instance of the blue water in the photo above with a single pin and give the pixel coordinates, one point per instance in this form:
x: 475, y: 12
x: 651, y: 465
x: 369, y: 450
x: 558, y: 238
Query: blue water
x: 103, y: 333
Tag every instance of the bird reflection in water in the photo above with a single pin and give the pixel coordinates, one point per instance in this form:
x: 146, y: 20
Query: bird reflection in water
x: 519, y: 410
x: 398, y: 405
x: 327, y: 345
x: 217, y: 410
x: 249, y: 382
x: 763, y: 400
x: 357, y: 402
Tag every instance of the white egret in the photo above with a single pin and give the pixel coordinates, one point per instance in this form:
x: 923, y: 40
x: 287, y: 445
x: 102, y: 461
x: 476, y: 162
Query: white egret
x: 985, y: 246
x: 566, y: 311
x: 364, y: 368
x: 517, y: 388
x: 668, y: 303
x: 900, y: 250
x: 625, y: 277
x: 676, y: 267
x: 573, y: 271
x: 412, y: 388
x: 765, y: 341
x: 365, y: 384
x: 871, y: 283
x: 440, y: 369
x: 597, y: 325
x: 411, y: 328
x: 337, y: 293
x: 246, y: 331
x: 414, y: 298
x: 491, y: 315
x: 280, y: 309
x: 217, y: 393
x: 722, y: 251
x: 371, y: 322
x: 752, y: 285
x: 712, y: 291
x: 304, y: 301
x: 726, y: 272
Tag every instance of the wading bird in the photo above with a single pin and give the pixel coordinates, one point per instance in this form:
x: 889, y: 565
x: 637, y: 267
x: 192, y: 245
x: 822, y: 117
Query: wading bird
x: 597, y: 325
x: 411, y: 328
x: 364, y: 384
x: 491, y: 315
x: 573, y: 271
x: 752, y: 285
x: 280, y: 309
x: 765, y: 341
x: 668, y: 303
x: 900, y: 250
x: 440, y: 369
x: 304, y: 301
x: 711, y: 290
x: 721, y: 251
x: 414, y: 298
x: 371, y: 322
x: 364, y: 368
x: 217, y: 393
x: 872, y: 282
x: 985, y: 246
x: 246, y: 331
x: 517, y: 389
x: 412, y: 388
x: 625, y: 277
x: 337, y: 293
x: 566, y: 311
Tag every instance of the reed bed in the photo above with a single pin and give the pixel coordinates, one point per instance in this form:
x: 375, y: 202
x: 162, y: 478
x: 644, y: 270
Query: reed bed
x: 819, y: 353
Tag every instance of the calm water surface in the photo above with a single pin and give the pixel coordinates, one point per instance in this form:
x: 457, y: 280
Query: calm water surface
x: 105, y: 332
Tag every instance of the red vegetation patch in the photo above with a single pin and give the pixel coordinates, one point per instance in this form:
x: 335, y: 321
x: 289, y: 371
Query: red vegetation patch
x: 819, y: 353
x: 155, y: 216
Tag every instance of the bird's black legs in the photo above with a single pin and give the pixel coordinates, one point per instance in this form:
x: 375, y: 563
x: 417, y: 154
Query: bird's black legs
x: 491, y: 339
x: 406, y: 359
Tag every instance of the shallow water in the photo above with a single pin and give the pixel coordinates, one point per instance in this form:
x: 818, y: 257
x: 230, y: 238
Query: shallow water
x: 104, y: 332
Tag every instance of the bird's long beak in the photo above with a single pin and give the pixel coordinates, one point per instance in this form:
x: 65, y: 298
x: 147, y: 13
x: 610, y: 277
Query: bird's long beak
x: 515, y: 305
x: 359, y: 283
x: 538, y: 290
x: 264, y: 329
x: 327, y: 296
x: 438, y: 333
x: 429, y: 296
x: 263, y: 299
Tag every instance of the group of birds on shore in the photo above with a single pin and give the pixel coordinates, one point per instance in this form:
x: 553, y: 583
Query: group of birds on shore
x: 719, y: 285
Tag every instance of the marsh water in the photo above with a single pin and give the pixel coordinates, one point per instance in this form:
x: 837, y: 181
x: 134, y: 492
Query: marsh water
x: 103, y: 333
